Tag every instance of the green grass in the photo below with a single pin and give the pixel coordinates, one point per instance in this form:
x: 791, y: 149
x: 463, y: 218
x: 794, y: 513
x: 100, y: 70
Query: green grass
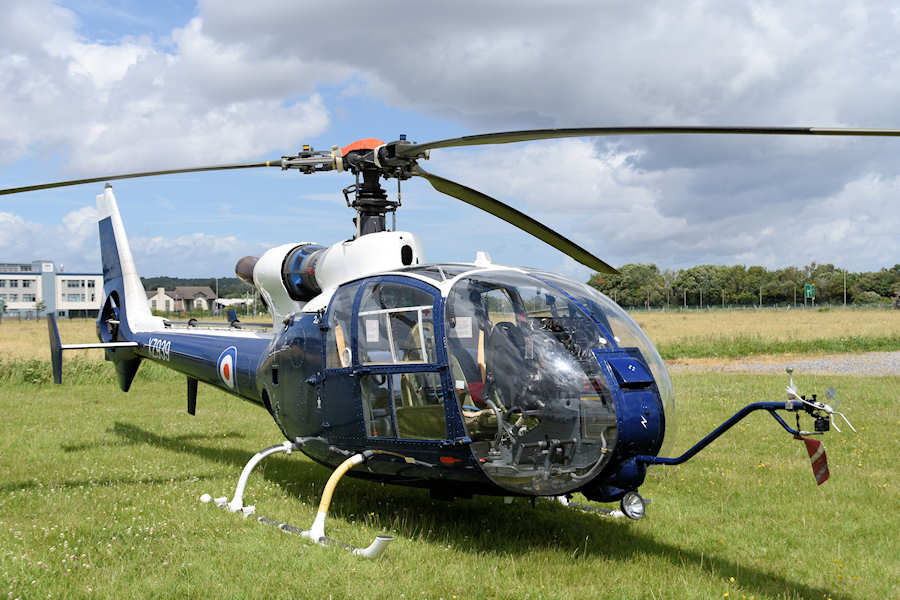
x: 77, y: 370
x: 114, y: 480
x: 750, y: 345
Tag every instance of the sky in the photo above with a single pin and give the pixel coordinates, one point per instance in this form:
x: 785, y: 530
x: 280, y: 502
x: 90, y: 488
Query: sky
x: 98, y: 87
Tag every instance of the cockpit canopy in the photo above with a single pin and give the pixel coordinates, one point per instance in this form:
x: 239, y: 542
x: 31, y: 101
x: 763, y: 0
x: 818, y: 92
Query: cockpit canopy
x: 523, y: 351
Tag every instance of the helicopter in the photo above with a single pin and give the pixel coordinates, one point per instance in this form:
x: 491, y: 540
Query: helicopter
x: 462, y: 378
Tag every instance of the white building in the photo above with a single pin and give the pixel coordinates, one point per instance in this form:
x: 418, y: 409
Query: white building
x: 160, y: 300
x: 32, y: 289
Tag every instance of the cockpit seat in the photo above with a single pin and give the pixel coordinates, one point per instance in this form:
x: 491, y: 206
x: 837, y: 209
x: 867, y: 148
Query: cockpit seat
x: 505, y: 362
x: 480, y: 422
x: 467, y: 374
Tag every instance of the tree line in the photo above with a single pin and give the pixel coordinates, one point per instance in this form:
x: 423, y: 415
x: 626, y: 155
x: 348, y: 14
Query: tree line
x: 639, y: 285
x: 718, y: 285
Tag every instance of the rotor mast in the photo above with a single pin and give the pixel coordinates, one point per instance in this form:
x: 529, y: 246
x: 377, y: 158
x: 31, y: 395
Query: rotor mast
x: 371, y: 203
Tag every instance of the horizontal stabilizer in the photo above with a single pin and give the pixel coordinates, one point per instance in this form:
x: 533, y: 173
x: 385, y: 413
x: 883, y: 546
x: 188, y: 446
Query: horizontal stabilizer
x: 99, y: 345
x: 56, y: 348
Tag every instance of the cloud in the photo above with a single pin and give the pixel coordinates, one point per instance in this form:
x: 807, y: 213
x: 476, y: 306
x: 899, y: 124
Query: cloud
x: 588, y: 63
x: 134, y: 105
x: 71, y: 242
x: 240, y: 80
x: 192, y: 255
x: 605, y: 201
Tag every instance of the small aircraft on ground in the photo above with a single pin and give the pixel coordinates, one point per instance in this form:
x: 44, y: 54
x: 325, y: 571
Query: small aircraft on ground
x: 463, y: 378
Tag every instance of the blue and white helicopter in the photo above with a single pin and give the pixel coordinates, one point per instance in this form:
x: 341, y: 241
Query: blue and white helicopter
x: 463, y: 378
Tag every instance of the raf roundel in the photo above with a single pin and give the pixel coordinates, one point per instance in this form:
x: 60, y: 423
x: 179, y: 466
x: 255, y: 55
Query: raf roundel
x: 226, y: 365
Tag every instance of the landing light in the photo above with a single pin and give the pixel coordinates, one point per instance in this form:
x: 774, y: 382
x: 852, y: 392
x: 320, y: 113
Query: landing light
x: 633, y: 505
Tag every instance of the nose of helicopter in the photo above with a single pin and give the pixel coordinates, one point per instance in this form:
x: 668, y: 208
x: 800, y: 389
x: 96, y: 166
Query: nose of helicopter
x: 548, y: 394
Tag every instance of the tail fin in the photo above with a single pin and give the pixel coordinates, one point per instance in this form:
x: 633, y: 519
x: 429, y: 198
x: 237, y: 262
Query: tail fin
x: 125, y: 310
x: 121, y: 284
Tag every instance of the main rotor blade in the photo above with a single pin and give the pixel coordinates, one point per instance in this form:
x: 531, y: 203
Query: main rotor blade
x: 507, y: 137
x: 514, y: 217
x: 43, y: 186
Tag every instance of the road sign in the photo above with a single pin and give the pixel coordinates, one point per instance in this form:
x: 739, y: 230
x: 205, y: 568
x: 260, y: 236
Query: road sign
x: 809, y: 291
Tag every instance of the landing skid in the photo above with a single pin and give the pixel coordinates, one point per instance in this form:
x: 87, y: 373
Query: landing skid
x: 316, y: 533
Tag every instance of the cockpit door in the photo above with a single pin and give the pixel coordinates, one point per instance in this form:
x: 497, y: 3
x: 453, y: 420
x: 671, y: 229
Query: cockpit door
x: 402, y: 361
x: 391, y: 348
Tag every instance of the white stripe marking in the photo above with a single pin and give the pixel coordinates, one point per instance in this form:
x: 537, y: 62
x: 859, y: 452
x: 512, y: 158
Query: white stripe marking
x: 818, y: 453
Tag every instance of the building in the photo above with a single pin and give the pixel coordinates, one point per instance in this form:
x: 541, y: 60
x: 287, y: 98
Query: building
x: 182, y: 298
x: 33, y: 289
x: 160, y: 300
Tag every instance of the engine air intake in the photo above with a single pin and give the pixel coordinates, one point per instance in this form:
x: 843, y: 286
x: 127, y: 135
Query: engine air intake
x: 299, y: 271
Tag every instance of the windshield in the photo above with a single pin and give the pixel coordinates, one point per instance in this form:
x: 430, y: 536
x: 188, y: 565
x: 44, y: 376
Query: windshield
x: 534, y: 399
x: 626, y: 333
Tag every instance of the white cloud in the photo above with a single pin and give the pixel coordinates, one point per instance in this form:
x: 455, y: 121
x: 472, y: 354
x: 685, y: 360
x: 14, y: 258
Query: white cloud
x: 856, y: 227
x: 192, y: 255
x: 80, y: 229
x: 72, y: 241
x: 243, y: 79
x: 134, y: 106
x: 604, y: 201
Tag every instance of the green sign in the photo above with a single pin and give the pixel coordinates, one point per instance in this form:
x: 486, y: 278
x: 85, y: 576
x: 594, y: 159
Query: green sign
x: 810, y: 291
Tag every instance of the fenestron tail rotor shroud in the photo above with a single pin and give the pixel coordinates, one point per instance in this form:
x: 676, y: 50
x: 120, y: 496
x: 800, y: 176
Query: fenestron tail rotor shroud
x: 371, y: 160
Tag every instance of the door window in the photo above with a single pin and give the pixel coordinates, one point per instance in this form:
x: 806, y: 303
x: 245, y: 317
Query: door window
x: 395, y: 328
x: 338, y: 352
x: 404, y: 405
x: 396, y: 325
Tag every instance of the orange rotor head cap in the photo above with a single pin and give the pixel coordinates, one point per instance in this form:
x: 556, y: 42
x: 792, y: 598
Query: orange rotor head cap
x: 366, y: 144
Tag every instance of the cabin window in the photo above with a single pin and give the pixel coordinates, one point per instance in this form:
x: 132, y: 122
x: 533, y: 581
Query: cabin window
x: 338, y: 353
x: 404, y: 405
x: 395, y: 325
x: 378, y: 407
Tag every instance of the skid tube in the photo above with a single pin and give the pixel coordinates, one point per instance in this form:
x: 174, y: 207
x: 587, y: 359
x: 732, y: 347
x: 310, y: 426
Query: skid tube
x: 316, y: 533
x: 771, y: 407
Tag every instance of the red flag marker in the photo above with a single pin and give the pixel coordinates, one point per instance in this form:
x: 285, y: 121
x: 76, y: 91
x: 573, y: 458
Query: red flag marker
x: 818, y: 459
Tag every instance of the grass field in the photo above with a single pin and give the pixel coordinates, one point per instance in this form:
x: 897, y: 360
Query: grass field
x: 744, y: 332
x: 99, y: 498
x: 99, y: 489
x: 28, y: 339
x: 677, y: 334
